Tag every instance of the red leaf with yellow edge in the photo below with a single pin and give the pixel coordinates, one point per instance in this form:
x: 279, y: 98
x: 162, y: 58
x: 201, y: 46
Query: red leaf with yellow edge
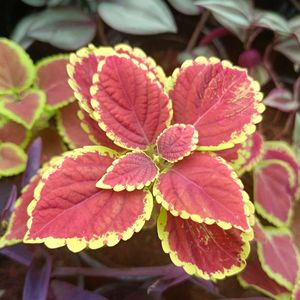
x: 96, y: 135
x: 12, y: 159
x: 282, y: 151
x: 243, y: 157
x: 273, y: 199
x: 129, y: 103
x: 278, y: 256
x: 254, y: 276
x: 17, y: 226
x: 83, y: 65
x: 134, y: 170
x: 177, y: 141
x: 68, y: 192
x: 220, y: 100
x: 204, y: 187
x: 16, y: 68
x: 296, y: 291
x: 69, y: 127
x: 207, y: 251
x: 25, y: 108
x: 13, y: 132
x: 52, y: 78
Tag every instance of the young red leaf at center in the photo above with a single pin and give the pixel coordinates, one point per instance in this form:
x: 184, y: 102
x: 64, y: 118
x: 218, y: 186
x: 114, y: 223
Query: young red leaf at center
x: 204, y: 187
x: 177, y: 141
x: 131, y: 171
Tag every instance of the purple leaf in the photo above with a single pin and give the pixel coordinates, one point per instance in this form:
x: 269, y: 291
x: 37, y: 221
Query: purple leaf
x: 18, y: 253
x: 207, y: 285
x: 282, y: 99
x: 7, y: 210
x: 250, y: 298
x: 37, y: 278
x: 66, y: 291
x: 34, y: 160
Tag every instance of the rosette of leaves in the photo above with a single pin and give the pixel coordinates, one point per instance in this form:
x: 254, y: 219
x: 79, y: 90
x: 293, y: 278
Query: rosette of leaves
x: 155, y: 137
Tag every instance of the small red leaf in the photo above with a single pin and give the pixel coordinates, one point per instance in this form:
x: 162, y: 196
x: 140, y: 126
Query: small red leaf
x: 132, y: 171
x: 129, y: 103
x: 278, y: 256
x: 69, y: 127
x: 220, y: 100
x: 204, y: 188
x: 272, y: 191
x: 207, y: 251
x: 96, y: 135
x: 282, y: 151
x: 68, y: 192
x: 254, y: 276
x: 25, y: 108
x: 52, y: 78
x: 177, y: 141
x: 12, y: 159
x: 16, y: 68
x: 17, y: 226
x: 13, y: 132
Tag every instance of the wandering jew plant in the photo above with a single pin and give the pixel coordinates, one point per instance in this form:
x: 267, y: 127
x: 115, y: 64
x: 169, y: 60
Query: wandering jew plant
x: 155, y: 138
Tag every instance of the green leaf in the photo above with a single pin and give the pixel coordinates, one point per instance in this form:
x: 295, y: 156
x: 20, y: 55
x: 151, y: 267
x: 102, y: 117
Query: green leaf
x: 186, y: 7
x: 63, y: 27
x: 137, y: 17
x: 234, y: 15
x: 294, y: 25
x: 296, y: 135
x: 272, y: 21
x: 289, y: 48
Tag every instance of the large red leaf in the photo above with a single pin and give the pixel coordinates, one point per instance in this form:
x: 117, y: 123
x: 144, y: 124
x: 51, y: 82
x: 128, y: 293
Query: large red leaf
x: 204, y: 250
x: 278, y: 256
x: 206, y: 189
x: 96, y: 135
x: 254, y: 276
x: 272, y: 191
x: 24, y: 108
x: 12, y: 159
x: 282, y: 151
x: 83, y: 65
x: 69, y: 127
x: 296, y: 292
x: 177, y: 141
x: 243, y: 157
x: 17, y: 226
x: 68, y: 192
x: 13, y: 132
x: 16, y: 68
x: 52, y: 78
x: 220, y: 100
x: 134, y: 170
x: 129, y: 103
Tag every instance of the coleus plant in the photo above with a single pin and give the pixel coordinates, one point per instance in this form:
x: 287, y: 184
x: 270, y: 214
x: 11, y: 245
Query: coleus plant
x: 159, y: 138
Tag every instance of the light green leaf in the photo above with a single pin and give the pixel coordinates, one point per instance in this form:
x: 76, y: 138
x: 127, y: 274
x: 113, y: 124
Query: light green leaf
x: 290, y: 48
x: 137, y: 17
x: 186, y: 7
x: 63, y: 27
x: 272, y: 21
x: 234, y: 15
x: 296, y: 135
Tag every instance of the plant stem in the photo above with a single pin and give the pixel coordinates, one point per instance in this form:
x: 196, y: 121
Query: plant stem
x: 214, y: 34
x: 193, y: 40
